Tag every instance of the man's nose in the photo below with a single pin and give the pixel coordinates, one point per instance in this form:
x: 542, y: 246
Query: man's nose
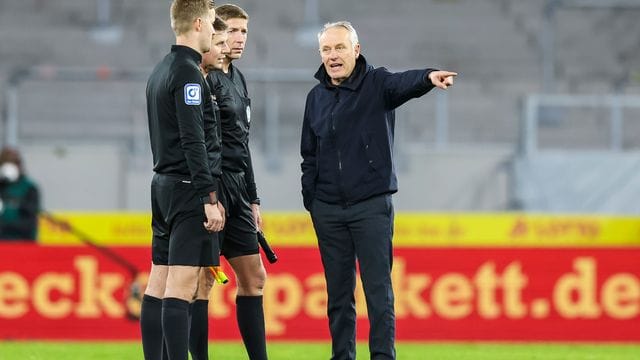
x: 333, y: 54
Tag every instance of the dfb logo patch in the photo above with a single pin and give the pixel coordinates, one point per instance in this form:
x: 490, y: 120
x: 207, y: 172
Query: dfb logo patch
x: 192, y: 94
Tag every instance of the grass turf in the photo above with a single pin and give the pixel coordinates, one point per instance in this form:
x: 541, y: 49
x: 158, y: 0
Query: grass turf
x: 319, y: 350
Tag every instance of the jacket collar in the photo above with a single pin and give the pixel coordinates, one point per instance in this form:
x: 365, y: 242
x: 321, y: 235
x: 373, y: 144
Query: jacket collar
x: 353, y: 81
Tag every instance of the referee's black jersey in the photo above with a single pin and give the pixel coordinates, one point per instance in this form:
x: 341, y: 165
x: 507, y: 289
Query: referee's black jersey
x: 177, y: 97
x: 213, y: 135
x: 231, y: 93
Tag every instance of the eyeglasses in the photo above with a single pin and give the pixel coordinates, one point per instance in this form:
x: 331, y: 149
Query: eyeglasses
x: 340, y: 49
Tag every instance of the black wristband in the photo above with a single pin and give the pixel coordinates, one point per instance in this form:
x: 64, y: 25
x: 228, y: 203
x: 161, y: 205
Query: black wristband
x: 209, y: 199
x: 255, y: 201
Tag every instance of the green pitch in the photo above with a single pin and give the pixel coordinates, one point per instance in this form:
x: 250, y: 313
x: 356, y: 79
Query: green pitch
x: 312, y: 351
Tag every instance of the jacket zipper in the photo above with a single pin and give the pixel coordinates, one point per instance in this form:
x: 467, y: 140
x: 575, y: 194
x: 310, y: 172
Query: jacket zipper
x: 333, y: 129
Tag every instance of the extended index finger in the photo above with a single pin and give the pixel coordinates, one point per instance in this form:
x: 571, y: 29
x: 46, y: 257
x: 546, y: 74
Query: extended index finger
x: 448, y: 73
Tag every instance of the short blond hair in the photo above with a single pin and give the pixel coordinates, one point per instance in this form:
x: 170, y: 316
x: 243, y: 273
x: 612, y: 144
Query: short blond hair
x: 231, y: 11
x: 185, y: 12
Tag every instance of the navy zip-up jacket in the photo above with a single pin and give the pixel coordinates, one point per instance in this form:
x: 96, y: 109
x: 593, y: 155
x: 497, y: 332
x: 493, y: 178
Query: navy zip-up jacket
x: 347, y: 133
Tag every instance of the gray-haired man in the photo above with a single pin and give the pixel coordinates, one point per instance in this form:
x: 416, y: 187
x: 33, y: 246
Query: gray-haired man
x: 348, y: 178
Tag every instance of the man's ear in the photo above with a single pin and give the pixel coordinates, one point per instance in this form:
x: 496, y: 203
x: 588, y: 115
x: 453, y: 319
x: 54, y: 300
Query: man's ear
x: 197, y: 24
x: 357, y: 50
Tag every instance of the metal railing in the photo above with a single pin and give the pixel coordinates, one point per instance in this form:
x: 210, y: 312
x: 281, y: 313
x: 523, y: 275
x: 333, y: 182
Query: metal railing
x: 535, y: 102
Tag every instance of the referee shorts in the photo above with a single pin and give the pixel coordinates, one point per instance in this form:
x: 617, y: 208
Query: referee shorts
x: 239, y: 236
x: 179, y: 236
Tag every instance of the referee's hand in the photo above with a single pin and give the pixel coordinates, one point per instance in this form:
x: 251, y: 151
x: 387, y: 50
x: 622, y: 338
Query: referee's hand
x: 215, y: 220
x: 223, y: 212
x: 257, y: 218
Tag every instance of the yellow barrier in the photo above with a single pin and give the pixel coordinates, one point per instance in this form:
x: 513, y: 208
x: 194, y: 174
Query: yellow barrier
x: 411, y: 229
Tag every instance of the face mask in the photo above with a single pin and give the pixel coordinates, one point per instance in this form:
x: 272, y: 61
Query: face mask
x: 9, y: 172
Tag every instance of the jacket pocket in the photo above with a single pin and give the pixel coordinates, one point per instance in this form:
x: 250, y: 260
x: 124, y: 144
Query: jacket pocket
x: 372, y: 153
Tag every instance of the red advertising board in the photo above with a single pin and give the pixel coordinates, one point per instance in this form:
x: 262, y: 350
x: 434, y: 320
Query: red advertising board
x: 52, y: 292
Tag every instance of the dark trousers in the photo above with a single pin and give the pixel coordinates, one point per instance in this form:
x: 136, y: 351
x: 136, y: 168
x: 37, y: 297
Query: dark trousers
x: 362, y: 231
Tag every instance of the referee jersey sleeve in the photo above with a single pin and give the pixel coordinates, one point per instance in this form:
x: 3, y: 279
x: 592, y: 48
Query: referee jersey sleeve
x: 188, y: 93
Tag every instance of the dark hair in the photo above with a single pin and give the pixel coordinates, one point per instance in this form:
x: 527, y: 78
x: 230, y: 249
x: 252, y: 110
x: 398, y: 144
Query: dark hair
x: 219, y: 24
x: 12, y: 155
x: 230, y: 11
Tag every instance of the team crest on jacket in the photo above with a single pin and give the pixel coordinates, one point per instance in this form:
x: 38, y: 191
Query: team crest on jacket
x: 192, y: 94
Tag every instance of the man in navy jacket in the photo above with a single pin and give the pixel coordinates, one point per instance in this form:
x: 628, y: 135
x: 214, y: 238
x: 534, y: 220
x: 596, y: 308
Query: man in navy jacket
x: 348, y: 178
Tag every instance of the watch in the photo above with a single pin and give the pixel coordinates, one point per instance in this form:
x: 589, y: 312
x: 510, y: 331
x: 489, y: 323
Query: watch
x: 209, y: 199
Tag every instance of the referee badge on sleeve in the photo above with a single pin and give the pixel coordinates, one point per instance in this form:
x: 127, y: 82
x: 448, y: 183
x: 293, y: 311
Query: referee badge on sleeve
x: 192, y: 94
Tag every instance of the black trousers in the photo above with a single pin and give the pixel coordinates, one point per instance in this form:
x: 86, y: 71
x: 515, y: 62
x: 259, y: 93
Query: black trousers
x: 364, y: 232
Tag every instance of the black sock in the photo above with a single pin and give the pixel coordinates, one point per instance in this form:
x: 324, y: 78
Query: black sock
x: 175, y: 326
x: 251, y: 323
x: 151, y: 327
x: 199, y: 331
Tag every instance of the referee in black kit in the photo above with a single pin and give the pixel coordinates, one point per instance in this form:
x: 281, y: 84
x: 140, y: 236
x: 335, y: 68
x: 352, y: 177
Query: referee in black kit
x: 184, y: 204
x: 239, y: 195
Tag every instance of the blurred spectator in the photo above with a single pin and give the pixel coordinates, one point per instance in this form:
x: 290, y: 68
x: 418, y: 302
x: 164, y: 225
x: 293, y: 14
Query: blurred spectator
x: 19, y: 199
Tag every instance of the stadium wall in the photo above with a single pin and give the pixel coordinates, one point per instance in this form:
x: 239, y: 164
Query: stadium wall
x: 70, y: 172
